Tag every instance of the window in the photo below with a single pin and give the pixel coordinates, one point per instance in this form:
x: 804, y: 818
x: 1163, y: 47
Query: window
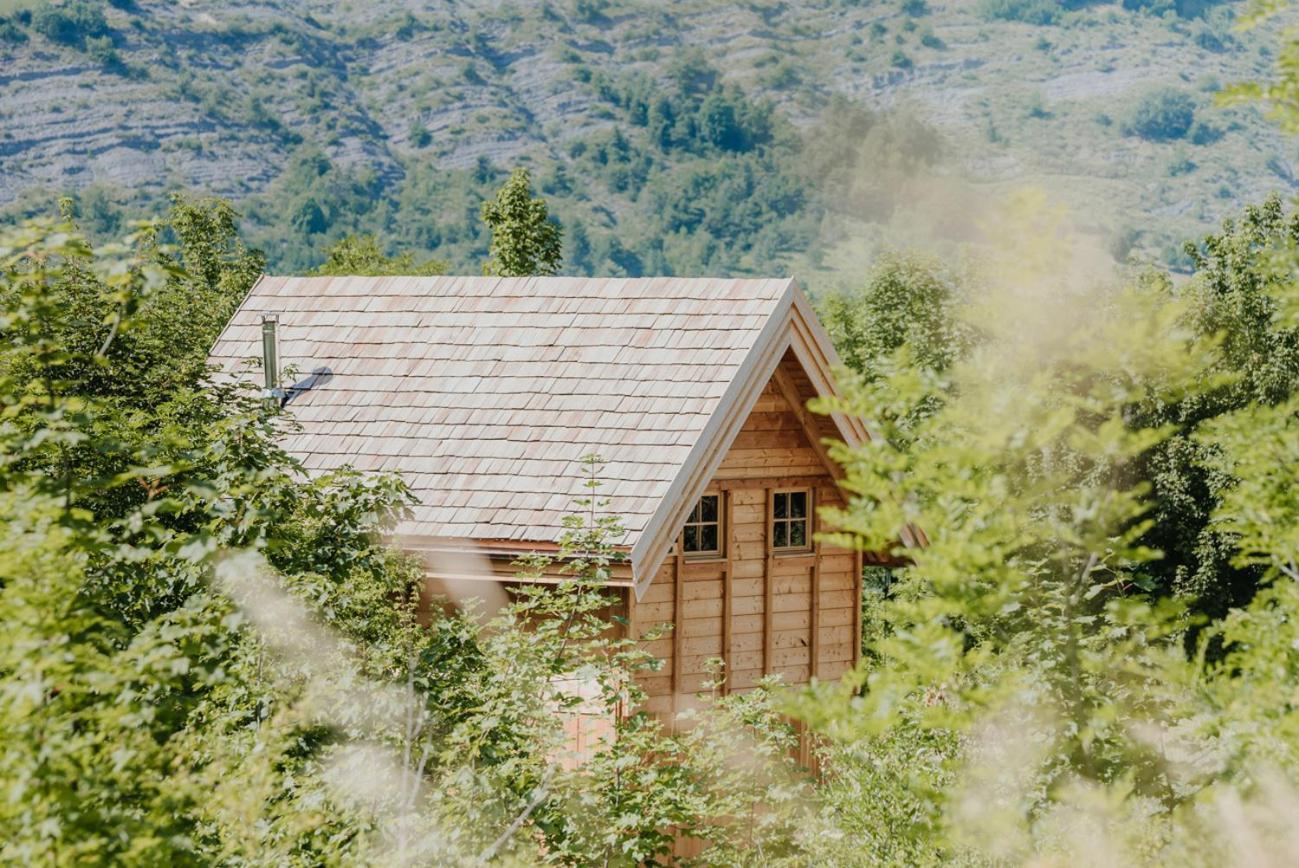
x: 702, y: 534
x: 789, y: 517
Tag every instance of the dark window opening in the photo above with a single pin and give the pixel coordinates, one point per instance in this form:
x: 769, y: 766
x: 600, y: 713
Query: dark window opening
x: 789, y: 520
x: 702, y: 534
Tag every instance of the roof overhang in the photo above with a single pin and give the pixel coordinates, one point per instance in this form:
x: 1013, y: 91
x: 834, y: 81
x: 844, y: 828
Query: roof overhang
x: 451, y: 559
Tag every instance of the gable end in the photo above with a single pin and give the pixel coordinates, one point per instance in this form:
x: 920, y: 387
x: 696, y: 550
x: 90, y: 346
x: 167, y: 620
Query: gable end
x: 792, y: 329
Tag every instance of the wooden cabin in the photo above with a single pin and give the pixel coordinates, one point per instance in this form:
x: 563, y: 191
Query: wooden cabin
x: 485, y: 393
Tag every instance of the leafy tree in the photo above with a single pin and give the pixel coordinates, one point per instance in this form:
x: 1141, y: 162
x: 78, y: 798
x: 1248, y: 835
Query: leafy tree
x: 11, y: 31
x: 1028, y: 11
x: 419, y: 134
x: 70, y: 23
x: 1027, y: 679
x: 1160, y: 115
x: 525, y: 241
x: 907, y: 300
x: 120, y: 673
x: 1232, y: 298
x: 1021, y: 656
x: 361, y: 254
x: 699, y: 114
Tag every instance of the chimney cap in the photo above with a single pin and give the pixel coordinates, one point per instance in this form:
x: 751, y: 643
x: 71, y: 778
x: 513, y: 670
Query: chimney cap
x: 270, y: 316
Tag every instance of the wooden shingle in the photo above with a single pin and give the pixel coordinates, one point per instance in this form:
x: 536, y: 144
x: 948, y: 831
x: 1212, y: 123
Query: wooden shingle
x: 487, y: 392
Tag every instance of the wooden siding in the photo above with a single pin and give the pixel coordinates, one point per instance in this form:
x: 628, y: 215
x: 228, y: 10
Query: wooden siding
x: 762, y: 612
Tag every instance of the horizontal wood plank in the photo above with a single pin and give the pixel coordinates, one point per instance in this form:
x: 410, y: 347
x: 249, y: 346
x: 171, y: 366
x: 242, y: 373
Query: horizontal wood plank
x: 744, y: 679
x: 695, y: 591
x: 834, y: 669
x: 804, y: 469
x: 756, y: 482
x: 656, y: 593
x: 651, y: 613
x: 839, y: 651
x: 705, y: 618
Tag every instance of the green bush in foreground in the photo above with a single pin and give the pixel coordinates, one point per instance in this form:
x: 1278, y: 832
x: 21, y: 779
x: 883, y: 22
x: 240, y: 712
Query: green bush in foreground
x: 1025, y: 697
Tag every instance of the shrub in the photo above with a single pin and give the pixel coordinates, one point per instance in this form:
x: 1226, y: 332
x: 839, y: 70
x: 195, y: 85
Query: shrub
x: 929, y: 39
x: 1183, y: 165
x: 1182, y: 8
x: 1027, y: 11
x: 1036, y: 107
x: 1161, y: 115
x: 11, y: 32
x: 590, y: 11
x: 70, y: 23
x: 102, y: 51
x: 1203, y: 133
x: 420, y: 137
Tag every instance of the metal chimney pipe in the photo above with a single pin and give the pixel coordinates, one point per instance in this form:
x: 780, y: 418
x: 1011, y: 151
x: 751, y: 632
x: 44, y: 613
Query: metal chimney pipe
x: 271, y: 358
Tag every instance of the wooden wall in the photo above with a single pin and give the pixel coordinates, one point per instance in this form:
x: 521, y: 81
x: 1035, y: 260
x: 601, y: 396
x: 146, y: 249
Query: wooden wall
x: 761, y: 612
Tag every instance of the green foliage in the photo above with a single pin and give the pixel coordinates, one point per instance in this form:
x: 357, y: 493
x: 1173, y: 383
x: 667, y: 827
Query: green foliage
x: 698, y: 114
x: 929, y: 39
x: 1024, y: 681
x: 885, y: 797
x: 1027, y: 11
x: 765, y: 103
x: 420, y: 136
x: 906, y: 300
x: 121, y: 672
x: 1233, y: 297
x: 1183, y: 8
x: 863, y: 161
x: 70, y: 23
x: 321, y: 203
x: 361, y: 254
x: 1019, y: 615
x: 101, y: 50
x: 1160, y: 115
x: 525, y: 241
x: 11, y: 31
x: 1052, y: 11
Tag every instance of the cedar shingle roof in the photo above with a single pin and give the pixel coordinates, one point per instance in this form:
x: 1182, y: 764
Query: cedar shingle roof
x: 486, y: 392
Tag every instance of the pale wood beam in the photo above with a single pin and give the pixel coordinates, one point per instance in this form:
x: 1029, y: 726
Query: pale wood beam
x: 768, y: 640
x: 727, y: 589
x: 678, y: 637
x: 790, y: 393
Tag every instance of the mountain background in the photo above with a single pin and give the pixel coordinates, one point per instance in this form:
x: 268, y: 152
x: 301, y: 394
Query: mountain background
x: 767, y: 136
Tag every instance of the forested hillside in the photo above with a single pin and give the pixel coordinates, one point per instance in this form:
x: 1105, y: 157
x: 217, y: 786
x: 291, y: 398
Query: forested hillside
x: 760, y: 136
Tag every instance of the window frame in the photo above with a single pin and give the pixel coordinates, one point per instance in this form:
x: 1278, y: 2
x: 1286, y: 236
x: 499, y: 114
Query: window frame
x: 805, y: 519
x: 720, y: 522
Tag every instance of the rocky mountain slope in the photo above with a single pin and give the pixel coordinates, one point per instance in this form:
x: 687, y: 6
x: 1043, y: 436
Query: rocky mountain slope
x: 765, y: 135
